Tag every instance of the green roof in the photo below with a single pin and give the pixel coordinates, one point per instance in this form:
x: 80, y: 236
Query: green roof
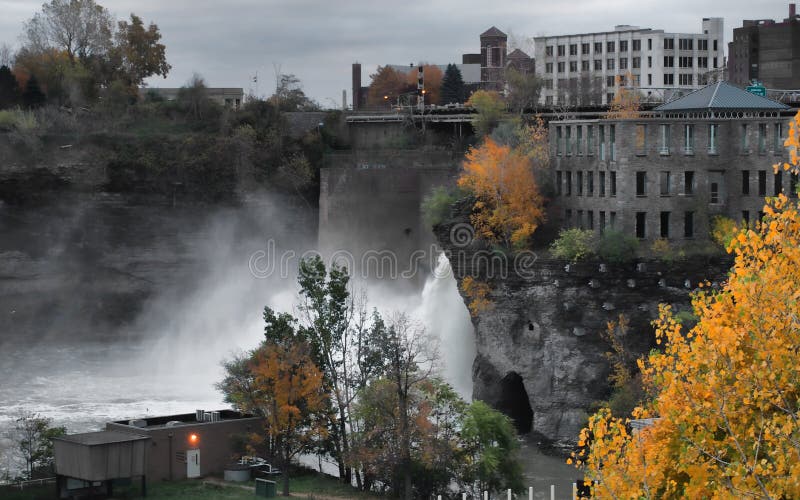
x: 721, y: 96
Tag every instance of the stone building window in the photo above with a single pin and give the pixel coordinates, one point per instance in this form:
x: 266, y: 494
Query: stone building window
x: 665, y: 183
x: 745, y: 182
x: 613, y: 181
x: 714, y: 192
x: 641, y: 139
x: 664, y: 138
x: 762, y: 138
x: 641, y: 220
x: 778, y: 183
x: 746, y: 217
x: 589, y: 219
x: 579, y: 182
x: 688, y: 139
x: 602, y: 142
x: 713, y: 132
x: 579, y: 219
x: 569, y: 183
x: 762, y: 182
x: 559, y: 180
x: 609, y: 46
x: 590, y: 140
x: 613, y: 134
x: 665, y: 224
x: 602, y: 221
x: 568, y: 146
x: 793, y: 185
x: 688, y: 182
x: 637, y: 45
x: 580, y: 140
x: 641, y: 184
x: 688, y: 225
x: 744, y: 144
x: 568, y: 218
x: 558, y: 141
x: 777, y: 147
x: 612, y: 219
x: 602, y: 182
x: 598, y: 47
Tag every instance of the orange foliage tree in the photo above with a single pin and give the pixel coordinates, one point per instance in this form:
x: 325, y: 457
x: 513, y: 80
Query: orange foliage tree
x: 626, y: 103
x: 508, y: 206
x: 387, y: 84
x: 291, y: 395
x: 432, y: 81
x: 726, y: 394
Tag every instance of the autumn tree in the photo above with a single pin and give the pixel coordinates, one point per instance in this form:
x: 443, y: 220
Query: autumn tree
x: 508, y: 207
x: 626, y: 103
x: 452, y: 90
x: 138, y: 52
x: 386, y: 86
x: 432, y: 81
x: 490, y: 109
x: 290, y: 392
x: 727, y: 392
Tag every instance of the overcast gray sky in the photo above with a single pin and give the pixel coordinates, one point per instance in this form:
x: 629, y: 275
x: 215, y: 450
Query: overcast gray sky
x: 317, y: 40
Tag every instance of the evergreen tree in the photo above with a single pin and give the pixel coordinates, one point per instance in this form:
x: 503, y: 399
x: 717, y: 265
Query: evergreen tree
x: 33, y: 96
x: 453, y: 91
x: 9, y: 88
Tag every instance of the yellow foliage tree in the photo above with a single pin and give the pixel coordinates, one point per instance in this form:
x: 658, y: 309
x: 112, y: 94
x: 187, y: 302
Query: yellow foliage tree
x: 727, y: 393
x: 490, y: 108
x: 508, y: 206
x: 291, y: 395
x: 626, y: 103
x: 478, y: 293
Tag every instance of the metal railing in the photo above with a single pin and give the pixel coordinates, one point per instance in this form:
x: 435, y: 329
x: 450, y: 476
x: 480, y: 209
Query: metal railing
x: 21, y: 485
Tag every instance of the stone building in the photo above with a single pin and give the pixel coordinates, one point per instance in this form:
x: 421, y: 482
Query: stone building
x: 767, y: 51
x: 667, y: 173
x: 232, y: 97
x: 494, y: 46
x: 661, y: 64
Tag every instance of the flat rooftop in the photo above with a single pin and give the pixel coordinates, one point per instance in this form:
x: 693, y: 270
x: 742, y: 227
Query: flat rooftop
x: 101, y: 438
x: 182, y: 419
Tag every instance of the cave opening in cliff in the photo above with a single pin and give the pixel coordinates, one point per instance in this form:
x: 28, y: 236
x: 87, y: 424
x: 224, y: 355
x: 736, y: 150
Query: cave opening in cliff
x: 514, y: 402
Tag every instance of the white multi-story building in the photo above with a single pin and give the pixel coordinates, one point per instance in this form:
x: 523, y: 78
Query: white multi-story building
x: 588, y: 68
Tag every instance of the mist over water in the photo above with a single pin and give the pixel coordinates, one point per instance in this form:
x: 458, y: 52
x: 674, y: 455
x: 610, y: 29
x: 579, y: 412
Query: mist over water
x: 206, y: 304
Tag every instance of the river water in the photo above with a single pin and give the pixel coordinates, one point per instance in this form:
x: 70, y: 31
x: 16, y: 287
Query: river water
x: 167, y: 359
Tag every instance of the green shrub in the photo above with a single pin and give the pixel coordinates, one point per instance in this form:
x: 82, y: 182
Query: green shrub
x: 436, y: 206
x: 617, y: 247
x: 573, y: 244
x: 723, y: 230
x: 17, y: 119
x: 7, y: 120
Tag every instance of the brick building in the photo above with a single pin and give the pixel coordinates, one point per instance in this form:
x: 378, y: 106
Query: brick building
x: 767, y: 51
x: 666, y: 173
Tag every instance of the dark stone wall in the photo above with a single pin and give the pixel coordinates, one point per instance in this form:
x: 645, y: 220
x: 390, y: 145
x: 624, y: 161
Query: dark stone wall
x: 546, y: 321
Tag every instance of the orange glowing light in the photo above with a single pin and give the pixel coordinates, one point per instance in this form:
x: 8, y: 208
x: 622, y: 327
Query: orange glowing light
x: 193, y: 438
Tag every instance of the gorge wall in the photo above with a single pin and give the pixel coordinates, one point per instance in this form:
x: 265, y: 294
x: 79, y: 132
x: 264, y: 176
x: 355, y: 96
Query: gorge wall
x: 540, y: 357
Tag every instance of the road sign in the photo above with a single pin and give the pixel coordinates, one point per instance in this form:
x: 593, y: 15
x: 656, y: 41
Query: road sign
x: 757, y: 89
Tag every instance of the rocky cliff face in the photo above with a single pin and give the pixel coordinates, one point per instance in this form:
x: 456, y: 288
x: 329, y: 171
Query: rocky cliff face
x: 540, y: 356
